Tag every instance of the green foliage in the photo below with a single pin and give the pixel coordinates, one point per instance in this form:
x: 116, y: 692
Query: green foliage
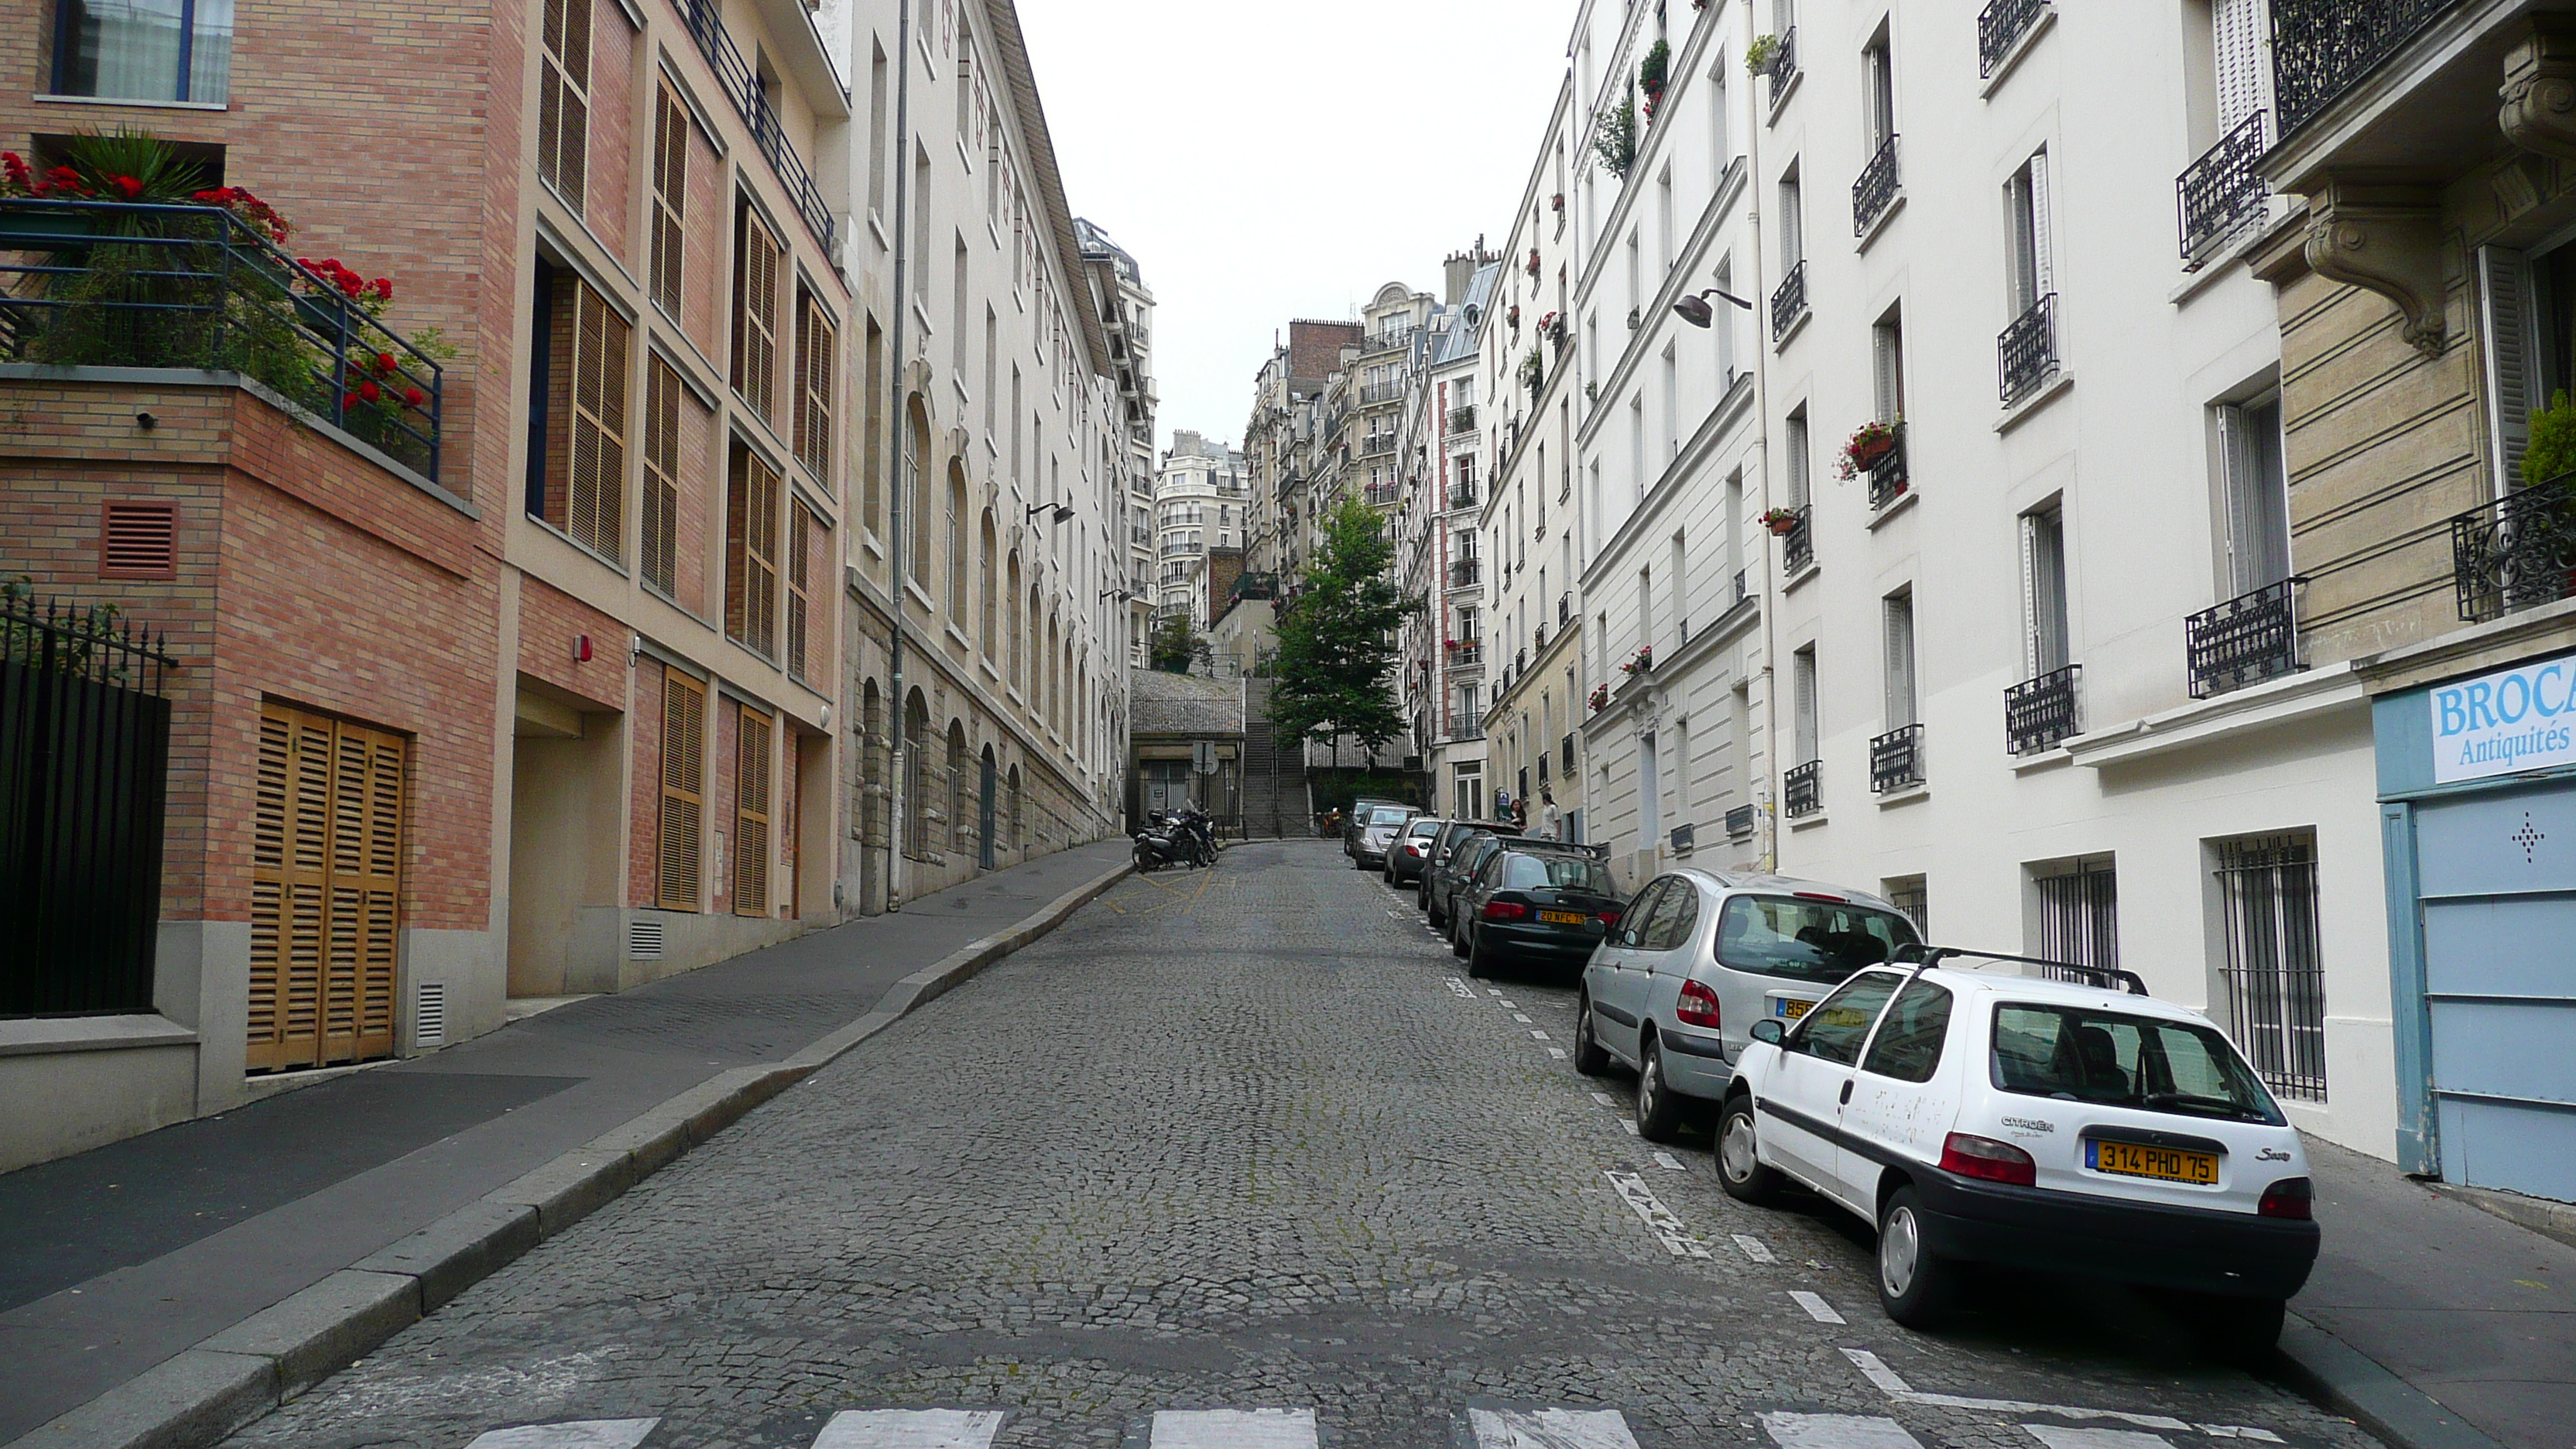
x: 165, y: 175
x: 1616, y: 144
x: 82, y: 630
x: 1336, y: 789
x: 1175, y: 646
x: 2552, y: 450
x: 1336, y: 662
x: 1651, y: 70
x: 1759, y: 55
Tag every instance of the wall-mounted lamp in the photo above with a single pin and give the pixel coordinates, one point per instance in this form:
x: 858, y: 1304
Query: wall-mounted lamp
x: 1063, y: 512
x: 146, y: 421
x: 1695, y: 310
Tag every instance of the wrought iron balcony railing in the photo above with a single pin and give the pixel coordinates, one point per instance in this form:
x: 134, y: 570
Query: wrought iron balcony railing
x: 1465, y: 573
x: 1388, y: 340
x: 2040, y: 712
x: 750, y: 96
x: 1373, y: 393
x: 1373, y: 445
x: 1876, y: 189
x: 2220, y: 194
x: 1742, y: 586
x: 2026, y: 352
x: 2518, y: 552
x: 1380, y: 495
x: 2320, y: 47
x: 1462, y: 498
x: 1783, y: 65
x: 1565, y: 752
x: 1463, y: 419
x: 2000, y: 24
x: 1788, y: 301
x: 2248, y: 639
x: 1888, y: 478
x: 1564, y: 609
x: 1740, y: 822
x: 1466, y: 656
x: 1802, y: 789
x: 1798, y: 545
x: 1896, y: 759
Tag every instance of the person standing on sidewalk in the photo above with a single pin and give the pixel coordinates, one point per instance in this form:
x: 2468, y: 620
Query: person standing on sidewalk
x: 1549, y: 824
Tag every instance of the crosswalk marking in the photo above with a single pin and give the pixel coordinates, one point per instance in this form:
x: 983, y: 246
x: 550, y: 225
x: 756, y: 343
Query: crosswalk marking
x: 579, y: 1434
x: 1550, y: 1429
x: 1234, y: 1429
x: 2056, y: 1438
x: 1817, y: 1308
x: 1890, y: 1383
x: 1837, y: 1431
x: 911, y: 1429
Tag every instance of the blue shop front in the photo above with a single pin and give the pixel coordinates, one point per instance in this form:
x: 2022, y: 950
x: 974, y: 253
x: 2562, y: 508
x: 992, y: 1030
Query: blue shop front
x: 2477, y: 790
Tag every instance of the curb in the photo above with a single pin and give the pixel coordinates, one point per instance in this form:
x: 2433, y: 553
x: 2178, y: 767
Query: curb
x: 202, y: 1394
x: 2336, y: 1376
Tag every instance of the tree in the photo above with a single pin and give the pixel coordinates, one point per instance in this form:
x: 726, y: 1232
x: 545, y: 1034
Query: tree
x: 1176, y: 646
x: 1336, y: 662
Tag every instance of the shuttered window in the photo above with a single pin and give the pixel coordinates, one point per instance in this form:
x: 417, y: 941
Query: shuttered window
x: 816, y: 343
x: 802, y: 529
x: 751, y: 553
x: 751, y: 816
x: 326, y: 877
x: 755, y: 315
x: 670, y: 197
x: 684, y: 769
x: 661, y: 545
x: 586, y: 459
x: 2504, y: 320
x: 1900, y: 661
x: 563, y: 100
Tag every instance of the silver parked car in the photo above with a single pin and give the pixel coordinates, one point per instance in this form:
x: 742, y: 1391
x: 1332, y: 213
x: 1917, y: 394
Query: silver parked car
x: 1699, y: 956
x: 1378, y: 834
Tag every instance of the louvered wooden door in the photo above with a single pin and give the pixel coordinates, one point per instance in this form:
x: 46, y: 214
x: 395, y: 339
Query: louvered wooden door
x: 326, y: 881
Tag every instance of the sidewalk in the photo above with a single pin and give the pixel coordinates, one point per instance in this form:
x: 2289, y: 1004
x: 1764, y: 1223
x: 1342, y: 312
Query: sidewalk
x: 2436, y: 1325
x: 119, y: 1258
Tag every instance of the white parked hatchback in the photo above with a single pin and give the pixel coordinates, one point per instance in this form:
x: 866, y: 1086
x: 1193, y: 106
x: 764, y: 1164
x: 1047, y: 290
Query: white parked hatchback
x: 2073, y: 1125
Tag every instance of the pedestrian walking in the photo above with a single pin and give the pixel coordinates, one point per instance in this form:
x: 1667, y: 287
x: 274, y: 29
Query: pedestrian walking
x: 1520, y: 813
x: 1550, y: 825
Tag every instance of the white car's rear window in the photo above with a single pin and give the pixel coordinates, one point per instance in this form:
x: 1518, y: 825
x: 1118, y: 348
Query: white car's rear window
x: 2087, y: 1055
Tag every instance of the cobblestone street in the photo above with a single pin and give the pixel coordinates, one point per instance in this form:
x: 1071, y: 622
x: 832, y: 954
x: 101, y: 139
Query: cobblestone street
x: 1245, y: 1139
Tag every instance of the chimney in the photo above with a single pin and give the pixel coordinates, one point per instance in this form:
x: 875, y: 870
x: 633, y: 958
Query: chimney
x: 1456, y: 273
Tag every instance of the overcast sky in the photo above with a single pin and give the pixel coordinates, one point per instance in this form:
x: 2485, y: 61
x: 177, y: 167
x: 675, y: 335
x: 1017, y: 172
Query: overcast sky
x: 1264, y: 161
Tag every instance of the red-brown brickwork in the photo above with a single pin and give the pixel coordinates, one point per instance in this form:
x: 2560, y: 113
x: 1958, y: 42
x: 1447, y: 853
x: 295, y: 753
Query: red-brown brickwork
x: 720, y: 799
x: 611, y: 204
x: 644, y: 802
x: 709, y: 255
x: 701, y: 485
x: 551, y: 623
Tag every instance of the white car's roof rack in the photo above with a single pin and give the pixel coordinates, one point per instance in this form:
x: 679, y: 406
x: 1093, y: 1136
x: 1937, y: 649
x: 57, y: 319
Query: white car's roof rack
x: 1924, y: 958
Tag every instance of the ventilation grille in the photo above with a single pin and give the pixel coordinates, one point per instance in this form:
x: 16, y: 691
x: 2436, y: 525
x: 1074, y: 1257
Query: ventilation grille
x: 139, y: 541
x: 644, y: 940
x: 429, y: 1017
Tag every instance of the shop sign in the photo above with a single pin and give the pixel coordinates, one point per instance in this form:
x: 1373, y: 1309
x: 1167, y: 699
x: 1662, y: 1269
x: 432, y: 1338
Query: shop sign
x: 2505, y: 723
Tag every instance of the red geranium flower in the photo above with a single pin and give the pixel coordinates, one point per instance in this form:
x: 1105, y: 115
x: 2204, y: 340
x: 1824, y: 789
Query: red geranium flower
x: 385, y: 288
x: 384, y: 362
x: 127, y: 184
x: 349, y: 400
x: 414, y: 396
x: 370, y: 391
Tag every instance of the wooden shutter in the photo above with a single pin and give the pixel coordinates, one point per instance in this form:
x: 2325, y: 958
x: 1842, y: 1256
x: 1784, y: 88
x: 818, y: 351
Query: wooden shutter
x: 326, y: 879
x: 751, y: 815
x: 595, y: 506
x: 684, y: 767
x: 563, y: 100
x: 2237, y: 29
x: 755, y: 330
x: 751, y: 554
x: 2043, y: 265
x: 670, y: 198
x: 2504, y: 316
x: 801, y: 532
x: 661, y: 544
x: 1900, y: 661
x: 816, y: 341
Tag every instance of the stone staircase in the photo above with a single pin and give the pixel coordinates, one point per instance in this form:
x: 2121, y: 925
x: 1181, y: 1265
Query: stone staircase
x: 1275, y: 800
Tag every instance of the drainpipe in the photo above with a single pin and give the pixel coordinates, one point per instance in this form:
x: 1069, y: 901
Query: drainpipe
x: 896, y: 803
x: 1769, y: 809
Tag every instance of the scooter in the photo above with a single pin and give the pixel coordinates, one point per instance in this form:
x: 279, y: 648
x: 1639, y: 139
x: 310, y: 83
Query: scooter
x: 1182, y: 837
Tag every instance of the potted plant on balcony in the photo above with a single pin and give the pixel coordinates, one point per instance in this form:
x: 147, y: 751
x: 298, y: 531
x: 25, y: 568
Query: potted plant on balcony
x: 1616, y: 143
x: 1600, y: 697
x: 1533, y: 372
x: 2552, y: 450
x: 1556, y: 203
x: 1642, y: 662
x: 1759, y: 55
x: 1781, y: 520
x: 1532, y: 264
x: 1651, y: 75
x: 1870, y: 444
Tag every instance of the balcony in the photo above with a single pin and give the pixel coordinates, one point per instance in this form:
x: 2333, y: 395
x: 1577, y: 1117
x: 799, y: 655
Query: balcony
x: 2221, y: 194
x: 2246, y: 640
x: 2026, y: 352
x: 1466, y: 573
x: 1789, y: 302
x: 1798, y: 543
x: 1896, y: 759
x: 1888, y: 479
x: 1388, y: 340
x: 1538, y: 639
x: 1565, y: 609
x: 2040, y: 712
x: 1876, y: 189
x: 1783, y: 65
x: 2321, y: 47
x: 1466, y: 656
x: 1373, y: 393
x: 1742, y: 585
x: 2516, y: 553
x: 1382, y: 495
x: 1802, y: 790
x: 1565, y: 749
x: 1463, y: 419
x: 1377, y: 444
x: 1462, y: 498
x: 1740, y: 821
x: 1999, y: 25
x: 750, y: 95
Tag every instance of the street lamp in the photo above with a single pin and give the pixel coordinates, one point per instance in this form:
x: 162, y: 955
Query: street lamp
x: 1695, y: 310
x: 1063, y: 511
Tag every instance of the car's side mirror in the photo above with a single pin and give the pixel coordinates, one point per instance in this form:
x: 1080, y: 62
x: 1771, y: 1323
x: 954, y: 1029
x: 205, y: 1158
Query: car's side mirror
x: 1769, y: 1031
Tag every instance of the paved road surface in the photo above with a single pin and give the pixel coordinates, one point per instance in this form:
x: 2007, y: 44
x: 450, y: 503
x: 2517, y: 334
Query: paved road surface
x: 1240, y: 1158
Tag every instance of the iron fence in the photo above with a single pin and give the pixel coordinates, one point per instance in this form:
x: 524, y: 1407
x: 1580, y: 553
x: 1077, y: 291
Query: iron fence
x: 743, y: 86
x: 1876, y: 189
x: 2040, y: 712
x: 1788, y: 301
x: 2320, y: 47
x: 1802, y: 790
x: 2275, y: 973
x: 1896, y: 759
x: 84, y: 769
x: 2000, y: 24
x: 2221, y: 194
x: 1462, y: 498
x: 2027, y: 350
x: 2518, y: 552
x: 2248, y: 639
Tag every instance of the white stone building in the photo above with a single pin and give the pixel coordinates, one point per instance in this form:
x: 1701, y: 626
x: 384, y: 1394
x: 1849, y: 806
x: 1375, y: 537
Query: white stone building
x: 1127, y: 315
x: 1201, y: 501
x: 1438, y: 541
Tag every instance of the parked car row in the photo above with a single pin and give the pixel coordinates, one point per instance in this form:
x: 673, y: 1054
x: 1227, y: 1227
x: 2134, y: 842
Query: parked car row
x: 1973, y: 1114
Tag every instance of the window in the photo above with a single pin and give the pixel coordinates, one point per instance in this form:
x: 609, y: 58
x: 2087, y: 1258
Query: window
x: 1878, y: 91
x: 2086, y: 1054
x: 2043, y: 552
x: 145, y: 50
x: 1677, y: 575
x: 751, y: 815
x: 1792, y: 234
x: 1675, y: 916
x: 2026, y: 230
x: 2079, y: 911
x: 1901, y: 706
x: 1795, y: 463
x: 755, y: 313
x: 916, y: 495
x: 1723, y: 324
x: 670, y: 198
x: 817, y: 350
x: 1721, y: 149
x: 921, y: 229
x: 1835, y: 1028
x: 803, y: 530
x: 2275, y: 971
x: 585, y: 416
x: 661, y: 545
x: 1887, y: 366
x: 1908, y: 1045
x: 1805, y: 940
x: 988, y: 604
x: 683, y: 765
x: 1912, y: 895
x: 2258, y: 497
x: 1802, y: 674
x: 751, y: 553
x: 956, y: 576
x: 563, y: 100
x: 1672, y: 406
x: 871, y: 484
x: 879, y: 87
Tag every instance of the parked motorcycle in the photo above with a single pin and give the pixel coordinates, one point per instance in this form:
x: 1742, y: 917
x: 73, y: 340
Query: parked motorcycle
x: 1182, y: 837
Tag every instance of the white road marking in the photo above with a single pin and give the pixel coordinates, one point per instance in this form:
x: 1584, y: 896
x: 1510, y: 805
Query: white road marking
x: 1550, y: 1429
x: 1651, y: 1211
x: 1461, y: 988
x: 1817, y: 1308
x: 1631, y: 1126
x: 1868, y: 1363
x: 1505, y: 1004
x: 1836, y: 1431
x: 584, y: 1434
x: 1605, y: 1099
x: 2239, y: 1431
x: 911, y: 1429
x: 1540, y: 1036
x: 1895, y: 1387
x: 1489, y: 991
x: 1669, y: 1163
x: 1234, y: 1429
x: 1557, y: 1052
x: 2056, y: 1438
x: 1760, y: 1252
x: 1520, y: 1016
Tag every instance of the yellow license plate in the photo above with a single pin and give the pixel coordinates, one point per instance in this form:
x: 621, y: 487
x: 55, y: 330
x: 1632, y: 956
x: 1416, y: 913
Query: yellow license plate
x: 1790, y: 1008
x: 1563, y: 918
x: 2164, y: 1164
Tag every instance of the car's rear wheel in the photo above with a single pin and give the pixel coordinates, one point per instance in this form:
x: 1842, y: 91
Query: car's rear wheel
x: 1914, y: 1283
x: 1431, y: 908
x: 1589, y: 1057
x: 1457, y: 939
x: 1480, y: 961
x: 2240, y: 1331
x: 1660, y: 1113
x: 1739, y: 1165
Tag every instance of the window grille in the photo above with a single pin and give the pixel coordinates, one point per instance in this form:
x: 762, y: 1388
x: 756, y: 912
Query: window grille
x: 2275, y: 973
x: 2079, y: 915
